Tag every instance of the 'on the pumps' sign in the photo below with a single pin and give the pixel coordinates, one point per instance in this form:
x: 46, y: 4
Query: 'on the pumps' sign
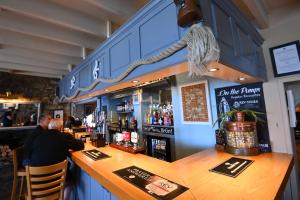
x: 246, y: 96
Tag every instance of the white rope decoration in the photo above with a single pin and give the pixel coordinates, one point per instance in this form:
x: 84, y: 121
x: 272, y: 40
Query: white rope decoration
x: 202, y: 49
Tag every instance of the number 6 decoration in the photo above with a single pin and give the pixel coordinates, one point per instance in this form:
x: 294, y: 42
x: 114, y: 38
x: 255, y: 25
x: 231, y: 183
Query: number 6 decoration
x: 96, y: 69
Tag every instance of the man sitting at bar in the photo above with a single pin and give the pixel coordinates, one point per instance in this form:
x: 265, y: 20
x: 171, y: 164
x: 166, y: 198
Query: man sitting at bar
x: 41, y: 128
x: 52, y: 146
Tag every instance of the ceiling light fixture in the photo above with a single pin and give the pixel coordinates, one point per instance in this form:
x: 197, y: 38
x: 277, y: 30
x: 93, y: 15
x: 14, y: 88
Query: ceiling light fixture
x: 106, y: 90
x: 135, y: 81
x: 213, y: 69
x: 242, y: 78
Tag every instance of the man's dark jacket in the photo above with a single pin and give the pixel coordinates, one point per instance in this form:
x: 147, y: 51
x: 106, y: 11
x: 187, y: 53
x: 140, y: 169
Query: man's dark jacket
x: 47, y: 147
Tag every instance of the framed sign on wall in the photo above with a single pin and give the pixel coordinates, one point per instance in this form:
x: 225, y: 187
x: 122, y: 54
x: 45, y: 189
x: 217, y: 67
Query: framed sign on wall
x: 58, y: 114
x: 195, y: 103
x: 286, y: 59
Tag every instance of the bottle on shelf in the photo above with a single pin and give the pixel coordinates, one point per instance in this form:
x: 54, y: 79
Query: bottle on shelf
x: 120, y: 124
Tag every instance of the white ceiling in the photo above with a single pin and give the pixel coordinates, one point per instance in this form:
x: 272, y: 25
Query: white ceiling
x: 44, y: 37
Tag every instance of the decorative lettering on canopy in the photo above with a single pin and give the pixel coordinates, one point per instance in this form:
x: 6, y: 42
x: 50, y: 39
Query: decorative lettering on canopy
x: 73, y: 81
x: 96, y: 69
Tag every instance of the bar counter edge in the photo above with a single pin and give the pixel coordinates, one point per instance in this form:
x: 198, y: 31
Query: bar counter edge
x: 265, y: 178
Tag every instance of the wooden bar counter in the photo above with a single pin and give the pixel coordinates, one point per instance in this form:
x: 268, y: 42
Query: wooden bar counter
x: 264, y: 179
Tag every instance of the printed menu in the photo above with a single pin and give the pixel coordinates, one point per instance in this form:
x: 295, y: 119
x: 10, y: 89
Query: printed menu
x: 158, y: 187
x: 95, y: 154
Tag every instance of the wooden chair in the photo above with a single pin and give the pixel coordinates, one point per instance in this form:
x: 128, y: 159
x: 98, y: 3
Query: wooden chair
x: 46, y: 182
x: 18, y: 171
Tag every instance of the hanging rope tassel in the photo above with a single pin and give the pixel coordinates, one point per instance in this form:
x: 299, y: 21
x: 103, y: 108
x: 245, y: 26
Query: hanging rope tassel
x: 202, y: 49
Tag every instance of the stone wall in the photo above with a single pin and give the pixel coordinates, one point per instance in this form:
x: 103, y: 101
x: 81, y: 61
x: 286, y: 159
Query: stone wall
x: 43, y: 89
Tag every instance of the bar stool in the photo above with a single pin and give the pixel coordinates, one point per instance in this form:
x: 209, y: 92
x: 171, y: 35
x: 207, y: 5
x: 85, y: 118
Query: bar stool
x: 46, y: 182
x: 18, y: 171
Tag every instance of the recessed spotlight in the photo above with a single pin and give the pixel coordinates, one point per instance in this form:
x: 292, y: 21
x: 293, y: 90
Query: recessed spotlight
x: 213, y: 69
x: 135, y: 81
x: 242, y: 78
x: 106, y: 90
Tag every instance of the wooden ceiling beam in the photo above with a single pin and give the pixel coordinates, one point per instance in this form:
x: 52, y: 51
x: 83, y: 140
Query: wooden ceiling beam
x: 29, y: 68
x: 118, y: 7
x: 28, y: 25
x: 51, y: 12
x: 30, y: 42
x: 32, y: 62
x: 39, y: 55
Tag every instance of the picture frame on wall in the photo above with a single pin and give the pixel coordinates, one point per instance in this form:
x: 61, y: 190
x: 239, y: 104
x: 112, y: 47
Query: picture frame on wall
x: 195, y: 103
x: 58, y: 114
x: 286, y: 59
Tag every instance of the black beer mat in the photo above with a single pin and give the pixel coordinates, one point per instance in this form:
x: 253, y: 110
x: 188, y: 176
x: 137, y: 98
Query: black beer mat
x: 154, y: 185
x: 232, y: 167
x: 95, y: 154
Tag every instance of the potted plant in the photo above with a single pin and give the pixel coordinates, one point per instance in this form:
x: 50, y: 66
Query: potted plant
x: 240, y: 129
x: 239, y: 114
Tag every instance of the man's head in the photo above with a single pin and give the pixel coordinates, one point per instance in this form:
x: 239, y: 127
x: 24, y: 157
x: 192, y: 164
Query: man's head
x: 45, y: 120
x: 55, y: 124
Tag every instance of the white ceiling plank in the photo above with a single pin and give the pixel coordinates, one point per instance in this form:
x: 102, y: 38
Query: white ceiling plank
x: 39, y: 55
x: 30, y: 42
x: 28, y: 25
x: 91, y: 10
x: 54, y: 13
x: 29, y: 68
x: 40, y: 74
x: 33, y: 62
x: 124, y: 8
x: 258, y: 11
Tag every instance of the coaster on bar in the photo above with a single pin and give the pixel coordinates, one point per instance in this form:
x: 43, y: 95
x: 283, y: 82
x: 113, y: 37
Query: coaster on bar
x: 95, y: 154
x: 232, y: 167
x: 156, y: 186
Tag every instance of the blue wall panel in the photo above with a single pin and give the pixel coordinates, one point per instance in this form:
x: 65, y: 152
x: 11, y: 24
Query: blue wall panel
x: 83, y: 185
x: 85, y: 76
x: 120, y: 54
x: 159, y: 31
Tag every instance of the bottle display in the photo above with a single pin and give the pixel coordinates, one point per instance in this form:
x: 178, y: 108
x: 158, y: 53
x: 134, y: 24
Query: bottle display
x: 126, y: 133
x: 159, y: 115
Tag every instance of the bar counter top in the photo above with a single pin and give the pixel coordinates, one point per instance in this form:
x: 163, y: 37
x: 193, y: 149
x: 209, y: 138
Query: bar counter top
x: 264, y: 179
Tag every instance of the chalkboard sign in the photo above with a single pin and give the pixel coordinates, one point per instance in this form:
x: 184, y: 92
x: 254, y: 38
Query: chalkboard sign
x: 246, y: 96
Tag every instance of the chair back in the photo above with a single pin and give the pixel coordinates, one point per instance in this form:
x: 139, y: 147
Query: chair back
x: 46, y: 182
x: 17, y: 155
x: 18, y: 171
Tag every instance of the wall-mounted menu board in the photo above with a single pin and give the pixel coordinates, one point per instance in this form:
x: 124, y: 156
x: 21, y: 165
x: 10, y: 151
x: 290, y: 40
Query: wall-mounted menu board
x: 246, y: 96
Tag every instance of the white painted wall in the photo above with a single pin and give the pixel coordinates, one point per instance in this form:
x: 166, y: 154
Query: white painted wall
x: 284, y: 28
